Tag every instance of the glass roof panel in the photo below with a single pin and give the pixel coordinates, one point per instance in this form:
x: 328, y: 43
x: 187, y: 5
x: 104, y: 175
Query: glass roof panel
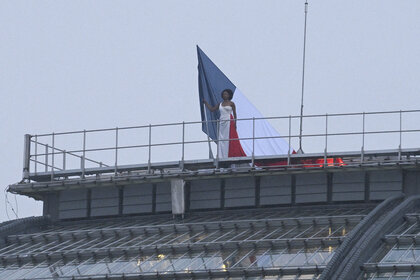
x: 259, y: 239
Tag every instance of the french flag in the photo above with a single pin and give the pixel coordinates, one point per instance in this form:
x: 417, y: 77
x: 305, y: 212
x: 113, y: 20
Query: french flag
x: 212, y: 82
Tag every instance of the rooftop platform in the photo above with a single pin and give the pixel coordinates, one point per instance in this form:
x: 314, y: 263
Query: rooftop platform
x: 79, y: 174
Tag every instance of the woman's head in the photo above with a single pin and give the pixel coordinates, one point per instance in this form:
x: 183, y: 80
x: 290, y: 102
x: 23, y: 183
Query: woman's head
x: 227, y: 94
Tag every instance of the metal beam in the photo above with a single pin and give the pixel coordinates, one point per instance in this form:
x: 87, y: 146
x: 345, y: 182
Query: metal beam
x: 35, y: 188
x: 193, y: 165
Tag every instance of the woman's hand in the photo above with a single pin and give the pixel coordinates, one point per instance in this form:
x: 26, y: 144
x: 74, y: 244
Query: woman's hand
x: 211, y: 108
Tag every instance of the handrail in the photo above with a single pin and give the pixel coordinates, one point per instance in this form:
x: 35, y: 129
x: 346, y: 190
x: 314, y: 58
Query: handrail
x: 238, y: 119
x: 224, y: 140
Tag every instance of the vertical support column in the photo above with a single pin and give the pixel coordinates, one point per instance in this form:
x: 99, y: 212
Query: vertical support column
x: 222, y: 193
x: 178, y: 196
x: 154, y: 187
x: 83, y: 162
x: 89, y: 203
x: 46, y: 158
x: 399, y: 147
x: 36, y: 154
x: 362, y: 155
x: 187, y: 191
x: 290, y: 138
x: 116, y: 152
x: 257, y: 182
x: 367, y: 186
x: 149, y: 161
x: 218, y: 144
x: 183, y: 146
x: 26, y: 156
x: 329, y: 187
x: 253, y: 142
x: 120, y: 200
x: 326, y: 140
x: 64, y: 160
x: 293, y: 183
x: 52, y: 155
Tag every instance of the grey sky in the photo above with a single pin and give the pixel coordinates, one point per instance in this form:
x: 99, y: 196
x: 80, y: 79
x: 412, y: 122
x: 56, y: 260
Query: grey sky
x: 68, y: 65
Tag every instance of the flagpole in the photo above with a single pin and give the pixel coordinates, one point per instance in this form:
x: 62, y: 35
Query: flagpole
x: 300, y: 151
x: 208, y: 137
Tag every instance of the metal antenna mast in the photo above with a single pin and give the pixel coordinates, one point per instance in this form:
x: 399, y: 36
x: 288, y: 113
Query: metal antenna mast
x: 300, y: 151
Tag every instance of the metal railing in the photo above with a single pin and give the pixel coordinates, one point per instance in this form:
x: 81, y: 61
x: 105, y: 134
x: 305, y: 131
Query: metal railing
x: 42, y: 154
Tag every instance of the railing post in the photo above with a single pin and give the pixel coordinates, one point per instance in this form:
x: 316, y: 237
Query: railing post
x: 290, y: 138
x: 46, y: 158
x: 362, y: 155
x: 26, y: 156
x: 399, y: 147
x: 36, y: 154
x: 183, y: 145
x: 218, y: 144
x: 326, y: 140
x: 52, y: 155
x: 83, y: 162
x: 64, y: 160
x: 149, y: 162
x: 253, y: 142
x: 116, y: 151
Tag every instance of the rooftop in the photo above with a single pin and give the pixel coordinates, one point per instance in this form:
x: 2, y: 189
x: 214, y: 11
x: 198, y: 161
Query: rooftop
x: 334, y: 212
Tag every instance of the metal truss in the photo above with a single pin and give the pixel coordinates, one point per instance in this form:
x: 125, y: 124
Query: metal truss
x: 205, y: 245
x: 399, y: 255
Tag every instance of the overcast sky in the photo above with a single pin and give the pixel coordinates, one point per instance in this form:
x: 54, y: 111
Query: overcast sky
x: 70, y: 65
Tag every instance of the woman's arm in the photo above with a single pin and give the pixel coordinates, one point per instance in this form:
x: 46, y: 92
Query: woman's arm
x: 211, y: 108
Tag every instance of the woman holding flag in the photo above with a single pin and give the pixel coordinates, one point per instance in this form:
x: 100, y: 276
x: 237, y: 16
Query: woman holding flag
x: 227, y: 126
